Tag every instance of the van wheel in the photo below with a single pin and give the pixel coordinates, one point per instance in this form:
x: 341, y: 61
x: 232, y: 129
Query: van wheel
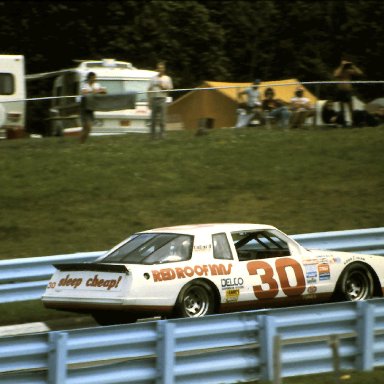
x: 356, y: 283
x: 195, y: 300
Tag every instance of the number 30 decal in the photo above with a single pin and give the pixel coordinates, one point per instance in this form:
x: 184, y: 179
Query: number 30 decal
x: 268, y: 278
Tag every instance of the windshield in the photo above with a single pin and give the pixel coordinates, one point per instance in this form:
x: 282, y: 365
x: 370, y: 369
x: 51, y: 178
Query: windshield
x: 121, y: 86
x: 152, y: 248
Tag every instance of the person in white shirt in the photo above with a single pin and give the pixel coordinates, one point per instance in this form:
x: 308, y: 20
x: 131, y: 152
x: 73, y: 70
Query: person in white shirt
x: 157, y: 95
x: 251, y: 108
x: 87, y: 117
x: 301, y: 108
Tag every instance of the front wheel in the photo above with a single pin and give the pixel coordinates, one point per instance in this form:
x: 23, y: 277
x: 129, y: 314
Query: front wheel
x: 356, y: 283
x: 195, y: 300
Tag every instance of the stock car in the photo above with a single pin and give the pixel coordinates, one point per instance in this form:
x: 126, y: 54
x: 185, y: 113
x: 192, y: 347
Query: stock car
x: 197, y: 270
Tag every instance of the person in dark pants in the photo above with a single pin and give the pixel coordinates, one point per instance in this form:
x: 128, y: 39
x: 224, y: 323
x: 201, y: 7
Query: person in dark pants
x: 346, y: 71
x: 157, y: 95
x: 87, y: 116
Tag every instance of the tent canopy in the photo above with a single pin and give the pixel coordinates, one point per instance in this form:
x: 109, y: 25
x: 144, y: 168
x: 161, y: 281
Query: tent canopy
x: 218, y: 101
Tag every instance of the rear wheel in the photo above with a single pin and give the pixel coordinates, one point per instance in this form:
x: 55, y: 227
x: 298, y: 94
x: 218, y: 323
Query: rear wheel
x: 195, y: 300
x: 356, y: 283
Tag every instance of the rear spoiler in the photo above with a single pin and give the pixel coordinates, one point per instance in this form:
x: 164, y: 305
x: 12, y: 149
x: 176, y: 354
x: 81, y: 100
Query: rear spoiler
x: 93, y: 267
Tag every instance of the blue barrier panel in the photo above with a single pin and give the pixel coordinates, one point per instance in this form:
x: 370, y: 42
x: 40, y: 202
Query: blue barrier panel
x: 252, y: 345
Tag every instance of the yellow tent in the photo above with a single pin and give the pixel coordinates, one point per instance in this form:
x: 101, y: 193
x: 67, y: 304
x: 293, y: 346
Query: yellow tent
x: 217, y: 101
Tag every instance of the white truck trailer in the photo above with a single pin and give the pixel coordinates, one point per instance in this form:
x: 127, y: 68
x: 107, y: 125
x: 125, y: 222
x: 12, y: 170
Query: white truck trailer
x: 117, y: 77
x: 12, y: 96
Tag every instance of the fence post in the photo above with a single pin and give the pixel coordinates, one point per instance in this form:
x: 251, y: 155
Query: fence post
x: 165, y: 352
x: 57, y: 358
x: 267, y: 337
x: 365, y: 336
x: 277, y: 355
x: 334, y: 343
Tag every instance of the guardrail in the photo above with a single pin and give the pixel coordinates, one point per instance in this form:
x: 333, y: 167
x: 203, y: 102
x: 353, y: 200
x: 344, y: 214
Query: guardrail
x: 26, y: 279
x: 238, y: 347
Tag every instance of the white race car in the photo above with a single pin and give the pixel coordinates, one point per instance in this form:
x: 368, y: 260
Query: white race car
x: 196, y: 270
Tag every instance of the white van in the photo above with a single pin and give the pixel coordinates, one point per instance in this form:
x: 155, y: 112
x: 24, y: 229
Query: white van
x: 12, y: 96
x: 117, y: 77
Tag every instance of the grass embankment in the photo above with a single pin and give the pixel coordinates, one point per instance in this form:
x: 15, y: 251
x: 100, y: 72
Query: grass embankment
x: 58, y: 196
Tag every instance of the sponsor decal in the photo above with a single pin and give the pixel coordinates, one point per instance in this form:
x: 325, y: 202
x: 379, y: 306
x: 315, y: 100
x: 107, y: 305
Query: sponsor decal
x: 166, y: 274
x: 324, y: 272
x: 349, y: 260
x: 109, y: 284
x: 70, y: 282
x: 232, y: 295
x: 312, y: 289
x: 94, y: 281
x: 232, y: 283
x: 312, y: 280
x: 202, y: 248
x: 310, y: 269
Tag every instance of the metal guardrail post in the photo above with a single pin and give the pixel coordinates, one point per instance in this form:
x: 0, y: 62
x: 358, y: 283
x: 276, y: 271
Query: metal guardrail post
x: 165, y: 352
x: 57, y: 360
x: 267, y: 334
x: 334, y: 343
x: 277, y: 345
x: 365, y: 336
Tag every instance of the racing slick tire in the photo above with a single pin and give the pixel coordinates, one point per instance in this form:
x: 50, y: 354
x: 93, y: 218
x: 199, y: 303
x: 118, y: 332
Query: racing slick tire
x: 356, y: 283
x: 195, y: 300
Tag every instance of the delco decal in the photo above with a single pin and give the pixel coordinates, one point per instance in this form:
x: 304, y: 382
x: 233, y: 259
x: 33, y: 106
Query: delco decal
x: 95, y: 281
x: 232, y: 283
x: 165, y: 274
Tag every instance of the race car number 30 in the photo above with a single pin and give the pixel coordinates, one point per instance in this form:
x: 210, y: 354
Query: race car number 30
x: 267, y: 277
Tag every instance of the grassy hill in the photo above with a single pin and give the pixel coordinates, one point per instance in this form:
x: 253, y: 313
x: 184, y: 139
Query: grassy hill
x: 58, y: 197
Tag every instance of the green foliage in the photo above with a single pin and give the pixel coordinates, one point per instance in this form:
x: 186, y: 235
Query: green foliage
x: 201, y: 40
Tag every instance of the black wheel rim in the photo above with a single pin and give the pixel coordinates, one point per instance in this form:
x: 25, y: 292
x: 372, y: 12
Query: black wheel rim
x: 357, y: 286
x: 196, y: 301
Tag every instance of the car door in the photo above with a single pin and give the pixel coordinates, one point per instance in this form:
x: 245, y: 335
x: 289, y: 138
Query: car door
x: 272, y: 273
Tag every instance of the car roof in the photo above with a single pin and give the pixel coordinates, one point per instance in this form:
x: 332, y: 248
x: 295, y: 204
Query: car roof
x: 195, y: 229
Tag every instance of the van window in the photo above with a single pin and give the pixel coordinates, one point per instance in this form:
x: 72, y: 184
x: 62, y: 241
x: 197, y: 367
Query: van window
x: 121, y: 86
x: 7, y: 84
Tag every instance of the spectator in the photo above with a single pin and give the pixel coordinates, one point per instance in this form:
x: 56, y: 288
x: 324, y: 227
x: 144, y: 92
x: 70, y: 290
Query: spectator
x: 90, y: 86
x: 301, y: 108
x: 251, y: 106
x: 158, y: 87
x: 346, y: 71
x: 275, y: 108
x: 330, y: 116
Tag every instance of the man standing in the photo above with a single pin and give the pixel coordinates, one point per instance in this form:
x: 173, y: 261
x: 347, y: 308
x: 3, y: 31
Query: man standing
x: 157, y: 95
x: 90, y: 86
x: 345, y: 72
